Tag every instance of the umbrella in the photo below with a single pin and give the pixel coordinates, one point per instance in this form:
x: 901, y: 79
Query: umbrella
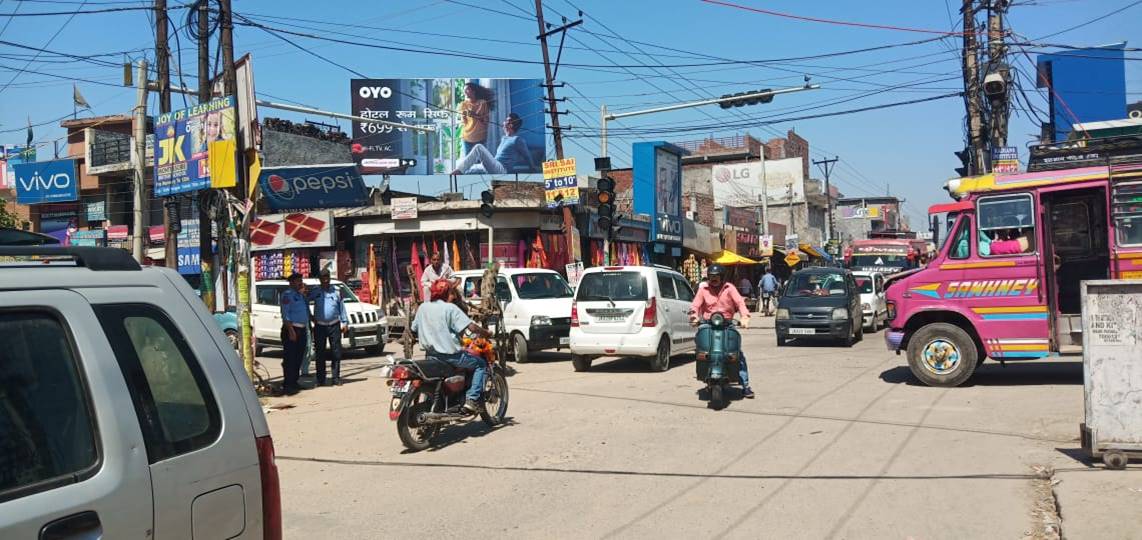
x: 729, y: 258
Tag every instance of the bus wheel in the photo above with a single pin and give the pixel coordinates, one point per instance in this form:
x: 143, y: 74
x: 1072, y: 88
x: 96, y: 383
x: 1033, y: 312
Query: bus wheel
x: 942, y: 354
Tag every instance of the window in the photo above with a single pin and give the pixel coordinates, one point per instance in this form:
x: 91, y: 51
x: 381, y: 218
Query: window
x: 612, y: 286
x: 541, y: 285
x: 864, y: 284
x: 683, y: 288
x: 817, y: 284
x: 47, y: 434
x: 961, y: 241
x: 503, y: 290
x: 1006, y: 225
x: 879, y: 283
x: 176, y: 408
x: 666, y: 286
x: 268, y: 294
x: 1071, y: 228
x: 347, y: 295
x: 1126, y: 208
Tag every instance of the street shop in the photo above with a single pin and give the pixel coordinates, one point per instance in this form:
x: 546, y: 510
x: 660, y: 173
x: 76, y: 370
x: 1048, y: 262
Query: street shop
x: 628, y: 245
x: 300, y: 242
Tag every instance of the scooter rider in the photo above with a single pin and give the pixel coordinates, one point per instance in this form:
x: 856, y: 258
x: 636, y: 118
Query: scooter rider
x: 438, y: 324
x: 716, y: 296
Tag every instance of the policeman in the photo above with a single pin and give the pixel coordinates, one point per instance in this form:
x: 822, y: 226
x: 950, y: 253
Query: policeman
x: 295, y: 327
x: 330, y: 323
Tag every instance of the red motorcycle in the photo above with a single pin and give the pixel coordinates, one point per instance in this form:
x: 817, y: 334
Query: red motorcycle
x: 429, y: 394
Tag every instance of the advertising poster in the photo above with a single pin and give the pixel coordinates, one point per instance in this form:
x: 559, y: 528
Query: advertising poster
x: 46, y: 182
x: 766, y: 245
x: 668, y: 197
x: 292, y: 231
x: 785, y: 181
x: 189, y: 254
x: 182, y: 143
x: 318, y: 186
x: 560, y: 183
x: 479, y: 126
x: 11, y: 156
x: 404, y: 208
x: 737, y: 184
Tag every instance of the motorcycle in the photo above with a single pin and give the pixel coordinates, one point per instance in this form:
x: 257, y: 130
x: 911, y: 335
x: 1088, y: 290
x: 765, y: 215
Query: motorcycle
x: 718, y: 345
x: 429, y: 394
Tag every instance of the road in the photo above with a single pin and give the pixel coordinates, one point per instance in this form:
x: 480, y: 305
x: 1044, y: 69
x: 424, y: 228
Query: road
x: 839, y: 443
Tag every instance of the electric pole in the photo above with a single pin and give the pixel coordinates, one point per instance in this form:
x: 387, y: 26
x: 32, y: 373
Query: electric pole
x: 569, y: 229
x: 972, y: 90
x: 997, y: 60
x: 162, y: 56
x: 205, y: 228
x: 139, y: 130
x: 827, y: 166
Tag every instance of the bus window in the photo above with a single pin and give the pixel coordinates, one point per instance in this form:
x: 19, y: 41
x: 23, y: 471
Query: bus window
x: 1127, y: 213
x: 1006, y: 225
x: 961, y: 240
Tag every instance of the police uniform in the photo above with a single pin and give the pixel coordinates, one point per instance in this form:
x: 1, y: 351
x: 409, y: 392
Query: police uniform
x: 295, y: 313
x: 329, y: 318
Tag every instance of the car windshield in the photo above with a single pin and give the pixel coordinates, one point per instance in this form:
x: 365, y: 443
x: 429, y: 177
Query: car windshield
x: 612, y: 286
x: 879, y: 261
x: 816, y: 284
x: 864, y: 284
x: 347, y: 295
x: 540, y: 285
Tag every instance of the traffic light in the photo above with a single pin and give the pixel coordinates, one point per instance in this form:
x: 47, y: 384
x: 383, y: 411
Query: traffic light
x: 605, y: 197
x: 742, y: 101
x: 488, y: 200
x: 965, y: 156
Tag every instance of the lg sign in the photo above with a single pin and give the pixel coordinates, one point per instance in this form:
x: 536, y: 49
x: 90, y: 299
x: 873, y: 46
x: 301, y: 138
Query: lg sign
x: 375, y: 92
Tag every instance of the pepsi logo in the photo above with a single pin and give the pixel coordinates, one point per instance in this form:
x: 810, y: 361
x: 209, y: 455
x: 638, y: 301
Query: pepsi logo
x: 278, y: 184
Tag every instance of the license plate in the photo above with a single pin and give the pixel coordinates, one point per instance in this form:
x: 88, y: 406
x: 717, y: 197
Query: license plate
x: 564, y: 340
x: 802, y: 331
x: 367, y: 340
x: 610, y: 319
x: 400, y: 388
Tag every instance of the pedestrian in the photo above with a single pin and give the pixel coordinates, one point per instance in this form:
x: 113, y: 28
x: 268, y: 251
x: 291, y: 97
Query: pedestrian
x: 330, y: 322
x: 768, y: 287
x: 295, y: 330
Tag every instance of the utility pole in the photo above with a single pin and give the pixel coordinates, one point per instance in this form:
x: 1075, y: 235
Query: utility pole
x: 162, y: 56
x: 569, y: 229
x: 972, y: 93
x: 205, y: 228
x: 139, y: 129
x: 827, y: 166
x: 997, y: 59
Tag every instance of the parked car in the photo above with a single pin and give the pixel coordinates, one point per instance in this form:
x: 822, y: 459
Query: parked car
x: 874, y: 307
x: 125, y: 412
x: 631, y: 311
x: 820, y: 303
x: 367, y: 324
x: 536, y: 305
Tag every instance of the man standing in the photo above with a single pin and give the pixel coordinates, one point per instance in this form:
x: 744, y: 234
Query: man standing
x: 436, y: 270
x: 768, y: 288
x: 330, y: 323
x: 295, y: 329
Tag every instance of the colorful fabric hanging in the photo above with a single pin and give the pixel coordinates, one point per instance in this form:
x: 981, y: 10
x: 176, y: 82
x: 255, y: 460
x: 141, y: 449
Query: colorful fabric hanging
x: 538, y: 254
x: 372, y: 275
x: 455, y: 255
x: 521, y: 253
x: 396, y: 271
x: 417, y: 267
x: 445, y: 257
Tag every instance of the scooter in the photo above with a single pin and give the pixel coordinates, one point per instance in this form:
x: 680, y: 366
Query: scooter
x: 718, y: 345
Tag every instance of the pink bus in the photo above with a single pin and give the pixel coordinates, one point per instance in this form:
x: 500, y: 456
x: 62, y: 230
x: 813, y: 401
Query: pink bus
x: 1004, y: 283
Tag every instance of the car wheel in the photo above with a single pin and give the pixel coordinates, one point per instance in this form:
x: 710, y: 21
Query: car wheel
x: 851, y: 337
x: 258, y: 350
x: 519, y: 348
x: 942, y: 354
x: 580, y: 363
x: 781, y: 340
x: 376, y: 350
x: 859, y: 332
x: 661, y: 360
x: 235, y: 339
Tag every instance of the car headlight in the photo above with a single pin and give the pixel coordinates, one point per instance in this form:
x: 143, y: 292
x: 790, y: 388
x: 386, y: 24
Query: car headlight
x: 866, y: 307
x: 540, y: 320
x: 840, y: 314
x: 782, y: 314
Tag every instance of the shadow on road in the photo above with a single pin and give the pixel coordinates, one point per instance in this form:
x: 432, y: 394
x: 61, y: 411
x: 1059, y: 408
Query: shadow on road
x: 631, y: 364
x: 474, y: 429
x: 993, y: 373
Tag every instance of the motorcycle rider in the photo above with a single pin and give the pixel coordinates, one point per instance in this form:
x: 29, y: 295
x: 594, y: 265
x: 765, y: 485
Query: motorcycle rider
x: 768, y: 287
x: 438, y: 324
x: 716, y: 296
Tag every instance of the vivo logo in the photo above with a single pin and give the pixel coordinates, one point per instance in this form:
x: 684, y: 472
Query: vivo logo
x: 39, y: 183
x: 288, y: 188
x: 375, y: 92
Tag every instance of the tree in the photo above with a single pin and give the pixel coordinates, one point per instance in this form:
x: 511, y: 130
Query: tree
x: 8, y: 218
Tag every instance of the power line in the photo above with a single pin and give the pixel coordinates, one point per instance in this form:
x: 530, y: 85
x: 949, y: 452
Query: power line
x: 50, y: 40
x: 832, y: 21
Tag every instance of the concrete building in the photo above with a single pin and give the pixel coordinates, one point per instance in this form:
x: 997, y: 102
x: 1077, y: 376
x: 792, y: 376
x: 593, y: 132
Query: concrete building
x: 856, y: 217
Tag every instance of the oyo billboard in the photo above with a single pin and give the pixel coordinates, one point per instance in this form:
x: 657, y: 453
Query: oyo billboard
x: 657, y: 185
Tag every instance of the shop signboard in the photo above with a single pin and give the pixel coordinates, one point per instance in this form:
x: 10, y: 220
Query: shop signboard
x: 466, y: 117
x: 316, y: 186
x: 183, y: 138
x: 10, y: 156
x: 189, y: 254
x: 95, y: 211
x: 740, y: 218
x: 46, y: 182
x: 560, y: 183
x: 292, y: 231
x: 574, y: 273
x: 766, y: 245
x: 658, y: 189
x: 1005, y: 160
x: 156, y: 234
x: 791, y: 241
x: 404, y: 208
x: 92, y: 238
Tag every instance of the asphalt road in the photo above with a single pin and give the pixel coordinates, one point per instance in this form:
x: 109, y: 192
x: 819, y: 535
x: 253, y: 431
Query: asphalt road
x: 839, y: 443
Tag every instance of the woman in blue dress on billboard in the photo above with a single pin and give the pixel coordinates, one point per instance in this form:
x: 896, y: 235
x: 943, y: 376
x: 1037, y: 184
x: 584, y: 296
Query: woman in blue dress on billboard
x: 512, y: 156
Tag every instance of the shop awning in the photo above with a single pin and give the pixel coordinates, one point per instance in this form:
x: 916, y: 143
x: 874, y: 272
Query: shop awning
x: 730, y: 258
x: 814, y: 251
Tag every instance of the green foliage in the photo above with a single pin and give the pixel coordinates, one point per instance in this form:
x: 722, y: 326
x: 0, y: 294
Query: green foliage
x: 8, y: 218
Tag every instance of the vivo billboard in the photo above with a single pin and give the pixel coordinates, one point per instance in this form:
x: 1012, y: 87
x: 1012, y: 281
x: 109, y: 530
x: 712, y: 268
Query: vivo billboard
x: 46, y: 182
x: 657, y: 180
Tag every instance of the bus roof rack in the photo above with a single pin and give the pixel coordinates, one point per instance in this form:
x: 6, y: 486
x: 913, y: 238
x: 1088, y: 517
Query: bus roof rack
x: 94, y: 258
x: 1104, y: 151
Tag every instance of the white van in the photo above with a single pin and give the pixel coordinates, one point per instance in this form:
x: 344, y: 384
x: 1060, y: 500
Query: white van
x: 872, y: 299
x: 536, y: 304
x: 367, y: 324
x: 631, y: 311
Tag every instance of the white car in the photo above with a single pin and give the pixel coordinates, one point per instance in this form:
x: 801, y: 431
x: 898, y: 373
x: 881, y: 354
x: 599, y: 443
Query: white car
x: 631, y: 311
x: 367, y: 324
x: 872, y: 299
x: 536, y: 305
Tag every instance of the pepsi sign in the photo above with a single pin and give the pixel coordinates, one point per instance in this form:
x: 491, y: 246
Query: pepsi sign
x: 313, y: 186
x: 46, y: 182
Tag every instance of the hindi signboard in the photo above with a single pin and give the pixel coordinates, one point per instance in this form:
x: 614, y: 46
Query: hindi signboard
x: 560, y: 183
x: 404, y: 208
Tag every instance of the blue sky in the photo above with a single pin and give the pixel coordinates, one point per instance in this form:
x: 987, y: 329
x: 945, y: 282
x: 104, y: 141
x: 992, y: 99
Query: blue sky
x: 904, y: 150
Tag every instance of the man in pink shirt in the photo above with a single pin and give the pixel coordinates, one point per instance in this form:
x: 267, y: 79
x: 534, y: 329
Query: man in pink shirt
x: 717, y: 296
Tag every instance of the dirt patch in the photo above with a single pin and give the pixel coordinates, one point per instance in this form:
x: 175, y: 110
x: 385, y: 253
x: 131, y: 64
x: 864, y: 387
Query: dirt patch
x: 1046, y: 520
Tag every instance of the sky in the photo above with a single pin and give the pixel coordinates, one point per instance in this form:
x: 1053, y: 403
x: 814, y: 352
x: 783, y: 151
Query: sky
x: 629, y: 55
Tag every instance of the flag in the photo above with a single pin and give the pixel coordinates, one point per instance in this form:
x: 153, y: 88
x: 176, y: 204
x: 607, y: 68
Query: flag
x: 30, y: 136
x: 77, y: 98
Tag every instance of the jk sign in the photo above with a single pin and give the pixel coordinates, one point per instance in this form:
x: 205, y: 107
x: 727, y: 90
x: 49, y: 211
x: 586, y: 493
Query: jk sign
x: 46, y: 182
x: 317, y: 186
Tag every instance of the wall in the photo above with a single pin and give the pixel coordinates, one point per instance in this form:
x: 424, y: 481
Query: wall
x: 791, y: 146
x: 1089, y: 84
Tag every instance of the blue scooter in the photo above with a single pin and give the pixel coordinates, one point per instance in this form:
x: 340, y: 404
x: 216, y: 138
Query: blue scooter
x: 718, y: 345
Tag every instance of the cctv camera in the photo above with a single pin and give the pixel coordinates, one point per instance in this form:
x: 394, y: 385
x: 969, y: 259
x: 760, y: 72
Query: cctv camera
x: 994, y: 84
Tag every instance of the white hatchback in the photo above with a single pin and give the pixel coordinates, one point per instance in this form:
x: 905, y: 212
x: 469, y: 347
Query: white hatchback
x: 872, y: 299
x: 631, y: 311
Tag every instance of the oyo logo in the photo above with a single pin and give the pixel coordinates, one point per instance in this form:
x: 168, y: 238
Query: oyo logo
x: 375, y: 92
x: 289, y: 188
x: 37, y: 182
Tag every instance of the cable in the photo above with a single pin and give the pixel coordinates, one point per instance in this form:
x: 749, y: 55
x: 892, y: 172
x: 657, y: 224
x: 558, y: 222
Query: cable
x: 831, y: 21
x: 50, y: 40
x: 1092, y: 21
x: 81, y: 11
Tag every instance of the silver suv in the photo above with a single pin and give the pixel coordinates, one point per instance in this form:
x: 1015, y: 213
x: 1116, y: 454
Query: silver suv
x: 124, y: 411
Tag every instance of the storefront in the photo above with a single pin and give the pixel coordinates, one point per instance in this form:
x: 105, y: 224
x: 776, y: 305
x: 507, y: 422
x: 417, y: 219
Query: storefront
x: 628, y: 245
x: 284, y: 244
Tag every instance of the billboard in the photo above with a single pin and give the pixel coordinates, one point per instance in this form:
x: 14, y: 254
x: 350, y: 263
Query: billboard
x: 292, y: 231
x: 657, y: 184
x: 11, y: 156
x: 560, y: 184
x: 318, y: 186
x: 46, y: 182
x: 784, y: 180
x: 737, y: 184
x: 182, y: 140
x: 480, y: 126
